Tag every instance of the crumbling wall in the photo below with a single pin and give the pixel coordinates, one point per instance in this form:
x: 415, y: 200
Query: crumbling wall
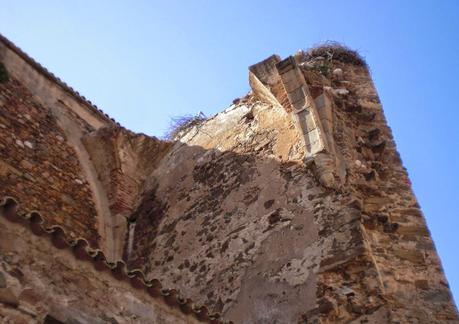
x: 398, y: 241
x: 401, y: 276
x: 244, y: 223
x: 43, y: 279
x: 38, y: 166
x: 290, y: 206
x: 123, y: 161
x: 54, y: 154
x: 232, y: 224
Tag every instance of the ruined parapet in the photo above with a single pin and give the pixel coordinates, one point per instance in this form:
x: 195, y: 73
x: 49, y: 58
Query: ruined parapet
x: 247, y: 222
x: 266, y: 84
x: 316, y: 125
x: 303, y: 105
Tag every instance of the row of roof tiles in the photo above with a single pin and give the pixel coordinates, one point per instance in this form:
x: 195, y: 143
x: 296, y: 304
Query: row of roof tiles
x: 82, y: 251
x: 49, y: 75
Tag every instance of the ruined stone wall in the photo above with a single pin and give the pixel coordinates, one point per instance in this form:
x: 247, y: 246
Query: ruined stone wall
x: 292, y: 205
x: 403, y: 275
x: 38, y: 166
x: 245, y: 225
x: 231, y: 224
x: 44, y: 280
x: 123, y: 161
x: 67, y: 157
x: 44, y: 161
x: 412, y: 279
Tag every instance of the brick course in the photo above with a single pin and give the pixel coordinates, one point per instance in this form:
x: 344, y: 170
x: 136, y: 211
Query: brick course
x: 38, y: 166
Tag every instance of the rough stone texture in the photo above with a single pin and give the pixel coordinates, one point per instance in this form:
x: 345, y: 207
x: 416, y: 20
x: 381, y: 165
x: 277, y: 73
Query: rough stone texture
x: 239, y: 214
x: 216, y: 225
x: 266, y: 83
x: 65, y: 158
x: 39, y: 167
x: 37, y: 286
x: 244, y: 225
x: 122, y: 160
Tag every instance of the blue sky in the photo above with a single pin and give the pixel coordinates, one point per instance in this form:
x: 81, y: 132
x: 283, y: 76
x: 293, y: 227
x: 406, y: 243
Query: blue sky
x: 145, y: 62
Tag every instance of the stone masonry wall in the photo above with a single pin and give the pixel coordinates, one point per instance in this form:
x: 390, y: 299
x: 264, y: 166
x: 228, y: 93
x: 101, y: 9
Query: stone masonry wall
x: 123, y: 161
x: 43, y: 280
x: 394, y: 228
x: 239, y: 214
x: 39, y: 167
x: 243, y: 224
x: 398, y: 277
x: 64, y: 172
x: 232, y: 224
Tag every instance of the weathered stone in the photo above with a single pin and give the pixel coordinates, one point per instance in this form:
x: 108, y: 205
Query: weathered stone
x: 292, y: 204
x: 341, y: 92
x: 2, y: 281
x: 440, y: 296
x: 422, y: 284
x: 28, y: 144
x: 8, y: 297
x: 413, y: 230
x: 26, y: 165
x: 374, y: 204
x: 409, y: 255
x: 338, y: 73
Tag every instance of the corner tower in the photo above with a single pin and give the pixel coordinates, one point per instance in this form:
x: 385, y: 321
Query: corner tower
x: 293, y: 205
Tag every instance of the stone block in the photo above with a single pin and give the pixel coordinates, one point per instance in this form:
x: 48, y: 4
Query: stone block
x: 326, y: 127
x: 421, y: 284
x: 2, y: 280
x: 296, y: 97
x: 312, y: 136
x: 291, y: 85
x: 266, y: 70
x: 286, y: 65
x: 413, y: 230
x: 305, y: 121
x: 8, y: 297
x: 261, y: 91
x: 289, y: 76
x: 409, y: 255
x: 26, y: 165
x: 439, y: 296
x: 314, y: 147
x: 324, y: 108
x: 373, y: 204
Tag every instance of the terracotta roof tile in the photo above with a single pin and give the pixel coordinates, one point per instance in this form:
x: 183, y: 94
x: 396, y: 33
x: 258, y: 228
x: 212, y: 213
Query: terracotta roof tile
x: 50, y: 76
x: 82, y: 251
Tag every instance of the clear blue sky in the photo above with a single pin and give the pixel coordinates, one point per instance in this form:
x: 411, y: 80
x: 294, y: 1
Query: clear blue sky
x: 147, y: 61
